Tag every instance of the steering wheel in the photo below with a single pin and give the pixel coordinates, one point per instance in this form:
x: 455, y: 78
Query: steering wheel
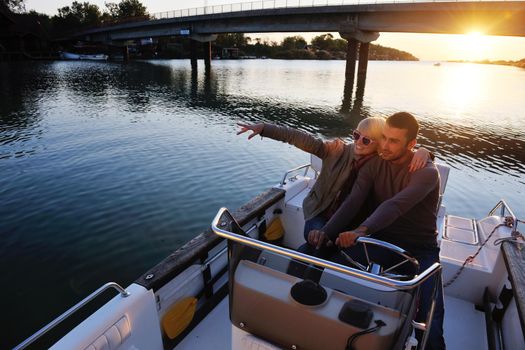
x: 377, y: 269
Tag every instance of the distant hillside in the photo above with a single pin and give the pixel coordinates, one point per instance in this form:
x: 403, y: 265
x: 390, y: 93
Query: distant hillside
x: 321, y: 47
x: 520, y: 63
x: 376, y: 53
x: 383, y: 53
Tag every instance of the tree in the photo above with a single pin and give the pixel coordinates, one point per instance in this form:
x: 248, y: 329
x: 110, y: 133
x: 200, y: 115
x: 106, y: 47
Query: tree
x: 232, y: 40
x: 43, y: 20
x: 17, y: 6
x: 324, y: 42
x: 293, y: 43
x: 340, y: 45
x: 111, y: 10
x: 131, y: 8
x: 124, y: 9
x: 77, y: 15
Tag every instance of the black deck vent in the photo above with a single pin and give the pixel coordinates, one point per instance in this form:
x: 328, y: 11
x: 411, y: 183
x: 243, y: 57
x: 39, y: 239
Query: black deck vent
x: 356, y: 313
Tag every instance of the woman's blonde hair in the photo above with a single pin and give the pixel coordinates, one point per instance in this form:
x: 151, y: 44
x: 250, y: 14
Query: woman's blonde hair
x: 373, y: 126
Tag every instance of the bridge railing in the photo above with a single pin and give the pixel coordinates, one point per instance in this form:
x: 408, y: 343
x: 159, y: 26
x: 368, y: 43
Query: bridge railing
x: 267, y: 4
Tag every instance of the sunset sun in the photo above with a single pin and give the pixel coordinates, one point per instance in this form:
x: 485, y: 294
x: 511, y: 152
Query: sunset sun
x: 474, y: 46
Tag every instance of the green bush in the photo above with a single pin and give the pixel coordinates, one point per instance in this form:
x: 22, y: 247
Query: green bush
x: 323, y: 55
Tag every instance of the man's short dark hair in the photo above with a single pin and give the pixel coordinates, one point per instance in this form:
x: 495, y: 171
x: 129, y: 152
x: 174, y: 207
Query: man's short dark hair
x: 406, y: 121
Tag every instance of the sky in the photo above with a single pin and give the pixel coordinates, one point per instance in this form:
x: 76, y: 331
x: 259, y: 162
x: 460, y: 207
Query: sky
x: 471, y: 46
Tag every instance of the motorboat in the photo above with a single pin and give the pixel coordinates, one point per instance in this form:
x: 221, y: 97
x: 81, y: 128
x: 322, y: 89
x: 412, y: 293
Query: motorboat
x: 89, y: 57
x: 230, y: 287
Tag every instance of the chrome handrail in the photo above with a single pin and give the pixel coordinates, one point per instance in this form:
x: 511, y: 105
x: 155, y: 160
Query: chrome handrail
x: 385, y: 281
x: 307, y: 166
x: 71, y: 311
x: 505, y: 207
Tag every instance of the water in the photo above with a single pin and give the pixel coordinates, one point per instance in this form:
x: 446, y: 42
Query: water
x: 107, y: 168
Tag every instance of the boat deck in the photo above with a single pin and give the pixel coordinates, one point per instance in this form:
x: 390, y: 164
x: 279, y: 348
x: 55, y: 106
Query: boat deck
x: 462, y: 328
x: 214, y: 332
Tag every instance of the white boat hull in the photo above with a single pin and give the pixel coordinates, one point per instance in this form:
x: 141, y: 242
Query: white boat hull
x: 91, y: 57
x: 201, y: 269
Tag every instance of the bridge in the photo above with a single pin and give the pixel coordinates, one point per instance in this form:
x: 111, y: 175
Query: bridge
x: 358, y: 21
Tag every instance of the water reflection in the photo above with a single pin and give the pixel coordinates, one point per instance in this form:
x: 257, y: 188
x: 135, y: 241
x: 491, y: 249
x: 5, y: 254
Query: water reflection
x: 21, y: 90
x: 142, y: 87
x: 114, y: 159
x: 457, y: 144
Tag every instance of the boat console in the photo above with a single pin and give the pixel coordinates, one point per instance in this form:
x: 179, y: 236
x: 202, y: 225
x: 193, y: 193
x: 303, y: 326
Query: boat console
x: 347, y: 307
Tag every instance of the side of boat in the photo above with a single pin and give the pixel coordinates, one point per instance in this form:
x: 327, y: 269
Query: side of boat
x: 90, y: 57
x: 223, y: 293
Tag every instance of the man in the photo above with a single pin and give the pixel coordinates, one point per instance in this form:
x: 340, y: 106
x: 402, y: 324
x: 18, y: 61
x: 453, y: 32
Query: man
x: 406, y: 213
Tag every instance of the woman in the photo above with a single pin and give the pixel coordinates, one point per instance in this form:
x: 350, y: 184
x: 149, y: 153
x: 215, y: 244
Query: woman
x: 341, y: 164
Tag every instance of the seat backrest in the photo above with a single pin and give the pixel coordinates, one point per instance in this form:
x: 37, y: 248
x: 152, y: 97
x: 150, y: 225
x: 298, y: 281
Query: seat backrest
x: 443, y: 175
x: 316, y: 163
x: 443, y: 178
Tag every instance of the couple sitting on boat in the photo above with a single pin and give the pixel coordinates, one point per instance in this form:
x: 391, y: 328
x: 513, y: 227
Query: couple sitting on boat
x: 376, y: 186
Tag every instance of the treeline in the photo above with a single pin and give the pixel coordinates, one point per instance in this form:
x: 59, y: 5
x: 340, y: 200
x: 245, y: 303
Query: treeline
x: 81, y: 15
x: 520, y: 63
x: 322, y: 47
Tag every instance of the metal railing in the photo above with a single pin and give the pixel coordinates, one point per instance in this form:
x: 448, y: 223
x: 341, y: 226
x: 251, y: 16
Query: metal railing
x: 71, y: 311
x: 504, y: 209
x: 280, y: 4
x: 385, y: 281
x: 306, y: 167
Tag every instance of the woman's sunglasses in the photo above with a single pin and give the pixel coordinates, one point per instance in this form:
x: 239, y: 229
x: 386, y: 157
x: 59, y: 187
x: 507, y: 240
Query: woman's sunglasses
x: 365, y: 140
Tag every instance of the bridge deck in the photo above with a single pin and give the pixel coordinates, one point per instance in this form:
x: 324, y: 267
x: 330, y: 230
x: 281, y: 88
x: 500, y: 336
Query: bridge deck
x: 488, y: 17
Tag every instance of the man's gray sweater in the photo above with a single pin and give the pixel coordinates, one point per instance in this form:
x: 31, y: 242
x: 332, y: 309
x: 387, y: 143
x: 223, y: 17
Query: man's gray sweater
x: 407, y: 203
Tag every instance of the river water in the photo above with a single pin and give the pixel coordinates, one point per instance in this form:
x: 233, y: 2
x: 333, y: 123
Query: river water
x: 106, y: 168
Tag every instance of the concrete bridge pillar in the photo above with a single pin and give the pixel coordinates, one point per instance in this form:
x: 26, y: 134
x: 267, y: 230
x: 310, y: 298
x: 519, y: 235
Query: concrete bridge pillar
x: 193, y: 54
x: 207, y: 55
x: 125, y: 53
x: 206, y: 39
x: 362, y: 69
x: 351, y: 54
x: 363, y: 39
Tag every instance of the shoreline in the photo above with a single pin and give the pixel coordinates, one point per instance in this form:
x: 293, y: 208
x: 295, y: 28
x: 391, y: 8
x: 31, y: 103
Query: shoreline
x: 519, y: 64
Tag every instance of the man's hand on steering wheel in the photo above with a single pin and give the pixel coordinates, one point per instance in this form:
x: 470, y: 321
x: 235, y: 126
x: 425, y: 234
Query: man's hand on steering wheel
x: 317, y: 238
x: 347, y: 239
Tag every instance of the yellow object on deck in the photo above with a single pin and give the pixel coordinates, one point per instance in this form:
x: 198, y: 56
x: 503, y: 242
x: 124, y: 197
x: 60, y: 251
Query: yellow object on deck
x: 179, y: 317
x: 275, y: 230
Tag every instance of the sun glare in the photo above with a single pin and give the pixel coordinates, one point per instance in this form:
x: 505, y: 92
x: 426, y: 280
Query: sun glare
x: 474, y: 46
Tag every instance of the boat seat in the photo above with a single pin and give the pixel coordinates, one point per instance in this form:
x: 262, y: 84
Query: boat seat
x: 316, y: 163
x: 293, y: 208
x: 443, y: 170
